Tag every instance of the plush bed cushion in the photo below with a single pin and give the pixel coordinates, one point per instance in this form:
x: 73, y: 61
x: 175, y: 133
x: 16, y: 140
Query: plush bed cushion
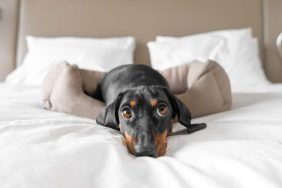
x: 40, y: 148
x: 64, y: 90
x: 203, y: 86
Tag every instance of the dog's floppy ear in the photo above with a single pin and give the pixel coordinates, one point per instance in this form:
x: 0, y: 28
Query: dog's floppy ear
x: 108, y: 117
x: 179, y: 109
x: 184, y: 115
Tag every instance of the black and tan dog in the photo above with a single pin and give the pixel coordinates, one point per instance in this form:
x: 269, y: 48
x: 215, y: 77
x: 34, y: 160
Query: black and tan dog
x: 140, y: 105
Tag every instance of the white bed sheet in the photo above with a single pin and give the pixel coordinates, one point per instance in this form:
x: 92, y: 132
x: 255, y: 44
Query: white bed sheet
x: 39, y: 148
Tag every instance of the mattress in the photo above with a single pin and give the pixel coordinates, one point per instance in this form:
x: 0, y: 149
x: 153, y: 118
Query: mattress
x: 39, y: 148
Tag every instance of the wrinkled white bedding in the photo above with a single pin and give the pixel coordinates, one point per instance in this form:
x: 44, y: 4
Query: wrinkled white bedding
x: 39, y: 148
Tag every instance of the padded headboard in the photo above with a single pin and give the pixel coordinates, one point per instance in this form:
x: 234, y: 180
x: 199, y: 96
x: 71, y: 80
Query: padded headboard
x: 143, y: 19
x: 8, y: 35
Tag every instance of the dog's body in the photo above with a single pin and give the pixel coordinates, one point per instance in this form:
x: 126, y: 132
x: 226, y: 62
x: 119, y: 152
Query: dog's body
x: 140, y: 105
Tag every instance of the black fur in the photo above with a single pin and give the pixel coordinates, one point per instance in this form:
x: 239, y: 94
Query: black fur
x: 140, y: 83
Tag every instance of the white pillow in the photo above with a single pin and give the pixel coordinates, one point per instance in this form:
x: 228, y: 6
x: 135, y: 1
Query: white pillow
x: 89, y: 53
x: 238, y: 54
x: 228, y: 34
x: 173, y: 52
x: 244, y: 67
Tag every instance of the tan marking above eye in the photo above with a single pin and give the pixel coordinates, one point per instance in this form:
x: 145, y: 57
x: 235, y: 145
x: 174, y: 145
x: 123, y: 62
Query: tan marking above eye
x: 132, y: 103
x: 153, y: 102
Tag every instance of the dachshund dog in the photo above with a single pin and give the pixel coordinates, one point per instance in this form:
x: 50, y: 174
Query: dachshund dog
x: 140, y: 105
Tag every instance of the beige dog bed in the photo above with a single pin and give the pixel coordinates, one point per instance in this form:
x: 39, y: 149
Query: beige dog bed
x: 203, y: 86
x: 64, y: 90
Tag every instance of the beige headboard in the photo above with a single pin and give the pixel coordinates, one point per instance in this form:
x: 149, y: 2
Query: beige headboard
x: 143, y: 19
x: 8, y: 35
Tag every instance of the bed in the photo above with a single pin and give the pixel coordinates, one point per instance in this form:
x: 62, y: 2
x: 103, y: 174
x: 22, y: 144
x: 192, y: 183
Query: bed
x: 40, y: 148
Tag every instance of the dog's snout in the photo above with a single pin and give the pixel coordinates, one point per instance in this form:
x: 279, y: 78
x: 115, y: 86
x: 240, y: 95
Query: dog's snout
x: 145, y: 145
x: 144, y: 139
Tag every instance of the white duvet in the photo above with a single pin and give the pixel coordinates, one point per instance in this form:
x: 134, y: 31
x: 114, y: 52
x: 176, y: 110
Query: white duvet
x: 43, y: 149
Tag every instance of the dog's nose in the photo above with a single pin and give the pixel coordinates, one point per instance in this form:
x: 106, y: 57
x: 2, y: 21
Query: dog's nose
x: 146, y: 153
x: 145, y: 145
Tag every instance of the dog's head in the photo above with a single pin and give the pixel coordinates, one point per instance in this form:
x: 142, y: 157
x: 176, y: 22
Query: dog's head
x: 144, y: 115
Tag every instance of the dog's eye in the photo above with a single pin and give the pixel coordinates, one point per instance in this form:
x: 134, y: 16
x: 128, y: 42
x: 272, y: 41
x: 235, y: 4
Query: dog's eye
x: 162, y: 109
x: 126, y: 113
